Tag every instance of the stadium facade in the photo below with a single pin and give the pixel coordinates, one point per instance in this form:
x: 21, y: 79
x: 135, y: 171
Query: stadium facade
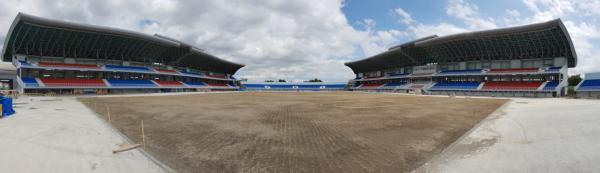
x: 63, y: 57
x: 523, y: 61
x: 315, y: 86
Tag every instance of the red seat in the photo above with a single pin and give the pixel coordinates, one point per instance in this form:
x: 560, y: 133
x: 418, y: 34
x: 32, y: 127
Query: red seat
x: 511, y: 85
x: 513, y: 70
x: 54, y: 64
x: 166, y: 71
x: 168, y: 83
x: 72, y: 82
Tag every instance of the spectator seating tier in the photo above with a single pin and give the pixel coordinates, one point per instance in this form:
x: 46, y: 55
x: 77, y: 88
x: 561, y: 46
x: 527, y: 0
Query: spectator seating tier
x: 511, y: 85
x: 593, y: 84
x: 394, y: 84
x: 131, y: 83
x: 165, y: 70
x: 371, y: 85
x: 456, y: 85
x: 513, y: 70
x: 551, y: 85
x: 30, y: 82
x: 130, y: 68
x: 553, y: 69
x: 218, y: 85
x: 59, y: 82
x: 24, y: 63
x: 195, y: 84
x: 168, y: 83
x: 65, y: 65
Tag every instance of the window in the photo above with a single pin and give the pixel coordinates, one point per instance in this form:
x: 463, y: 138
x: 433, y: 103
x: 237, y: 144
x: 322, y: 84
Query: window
x: 548, y: 62
x: 501, y: 64
x: 527, y: 64
x: 485, y: 64
x: 473, y: 65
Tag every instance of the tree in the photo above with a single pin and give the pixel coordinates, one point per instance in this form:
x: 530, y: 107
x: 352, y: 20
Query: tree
x: 314, y: 80
x: 281, y: 80
x: 574, y: 80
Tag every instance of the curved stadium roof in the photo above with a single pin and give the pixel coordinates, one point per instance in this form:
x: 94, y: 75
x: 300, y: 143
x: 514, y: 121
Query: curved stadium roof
x: 540, y: 40
x: 33, y: 35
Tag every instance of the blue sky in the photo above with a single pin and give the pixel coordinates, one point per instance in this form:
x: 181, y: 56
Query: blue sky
x: 302, y: 39
x: 443, y: 17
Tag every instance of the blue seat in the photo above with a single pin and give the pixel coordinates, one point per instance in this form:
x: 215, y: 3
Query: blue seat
x: 551, y: 85
x: 254, y: 86
x: 456, y: 85
x: 335, y: 86
x: 309, y: 86
x: 131, y: 83
x: 30, y: 82
x: 593, y: 84
x: 281, y: 86
x: 553, y: 69
x: 131, y: 68
x: 24, y: 63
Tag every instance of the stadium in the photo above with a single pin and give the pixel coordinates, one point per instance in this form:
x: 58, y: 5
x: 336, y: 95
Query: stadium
x: 90, y: 98
x: 523, y: 61
x: 60, y: 57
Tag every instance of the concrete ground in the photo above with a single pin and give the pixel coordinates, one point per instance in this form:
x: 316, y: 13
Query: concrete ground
x: 61, y: 135
x: 528, y: 135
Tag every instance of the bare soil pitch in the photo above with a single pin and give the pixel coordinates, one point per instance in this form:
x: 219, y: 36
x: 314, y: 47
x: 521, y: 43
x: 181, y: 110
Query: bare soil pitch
x: 295, y: 131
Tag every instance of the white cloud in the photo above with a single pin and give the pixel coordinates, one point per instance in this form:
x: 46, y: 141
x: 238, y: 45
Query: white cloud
x: 513, y: 12
x: 579, y: 18
x: 469, y: 13
x: 406, y: 18
x: 275, y: 39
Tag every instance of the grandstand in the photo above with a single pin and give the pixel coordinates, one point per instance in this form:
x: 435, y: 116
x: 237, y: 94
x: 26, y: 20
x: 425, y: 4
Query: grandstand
x: 62, y: 57
x: 589, y: 87
x: 293, y: 86
x: 523, y: 61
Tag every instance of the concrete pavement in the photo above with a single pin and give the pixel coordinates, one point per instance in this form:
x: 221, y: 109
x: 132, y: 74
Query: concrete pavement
x: 61, y: 135
x: 528, y: 135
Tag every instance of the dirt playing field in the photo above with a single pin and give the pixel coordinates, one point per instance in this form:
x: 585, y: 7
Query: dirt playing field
x: 294, y: 131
